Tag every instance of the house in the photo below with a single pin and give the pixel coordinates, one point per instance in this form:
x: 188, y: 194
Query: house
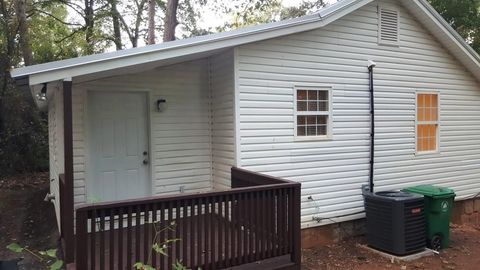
x: 289, y: 100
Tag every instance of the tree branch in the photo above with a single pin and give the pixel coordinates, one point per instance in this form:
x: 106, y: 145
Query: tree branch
x: 77, y: 8
x: 56, y: 18
x: 76, y: 31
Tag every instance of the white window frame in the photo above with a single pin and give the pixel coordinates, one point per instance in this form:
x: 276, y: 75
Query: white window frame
x: 379, y: 12
x: 328, y: 113
x: 438, y: 122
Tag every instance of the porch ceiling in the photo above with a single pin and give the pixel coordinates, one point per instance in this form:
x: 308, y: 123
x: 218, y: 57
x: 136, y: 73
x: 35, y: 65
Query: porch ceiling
x: 131, y: 70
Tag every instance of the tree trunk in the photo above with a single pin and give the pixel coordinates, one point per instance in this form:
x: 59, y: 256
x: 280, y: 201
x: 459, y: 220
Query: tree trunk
x: 89, y: 24
x: 24, y: 38
x: 138, y: 21
x: 170, y: 20
x: 117, y: 34
x: 6, y: 56
x: 151, y: 22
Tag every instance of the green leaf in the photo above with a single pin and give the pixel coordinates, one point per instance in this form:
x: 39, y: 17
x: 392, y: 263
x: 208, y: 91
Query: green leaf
x: 156, y: 247
x: 57, y: 265
x: 141, y: 266
x: 138, y: 265
x: 52, y: 253
x: 160, y: 250
x: 179, y: 266
x: 15, y: 248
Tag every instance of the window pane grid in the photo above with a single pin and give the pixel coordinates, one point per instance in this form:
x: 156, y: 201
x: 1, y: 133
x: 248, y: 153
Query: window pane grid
x: 426, y: 138
x: 312, y: 125
x: 427, y: 107
x: 312, y: 100
x: 312, y: 112
x: 427, y: 122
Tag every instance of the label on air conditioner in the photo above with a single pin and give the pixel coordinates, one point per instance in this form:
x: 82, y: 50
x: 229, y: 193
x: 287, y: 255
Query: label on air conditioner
x: 416, y: 210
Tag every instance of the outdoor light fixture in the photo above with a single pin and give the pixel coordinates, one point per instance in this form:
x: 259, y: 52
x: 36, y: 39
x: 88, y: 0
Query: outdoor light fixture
x: 161, y: 105
x: 42, y: 96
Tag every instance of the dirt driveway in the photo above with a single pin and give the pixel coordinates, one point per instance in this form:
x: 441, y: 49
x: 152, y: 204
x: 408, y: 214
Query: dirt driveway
x: 25, y: 218
x: 464, y: 254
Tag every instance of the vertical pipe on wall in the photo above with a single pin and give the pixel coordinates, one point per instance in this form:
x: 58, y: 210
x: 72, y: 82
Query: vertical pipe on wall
x: 371, y: 65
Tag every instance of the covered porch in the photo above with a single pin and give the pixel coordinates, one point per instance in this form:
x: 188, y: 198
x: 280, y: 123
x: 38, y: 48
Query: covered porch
x: 257, y: 221
x: 149, y: 160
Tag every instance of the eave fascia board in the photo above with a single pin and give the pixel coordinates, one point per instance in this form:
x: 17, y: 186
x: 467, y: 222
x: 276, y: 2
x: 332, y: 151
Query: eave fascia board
x: 139, y: 57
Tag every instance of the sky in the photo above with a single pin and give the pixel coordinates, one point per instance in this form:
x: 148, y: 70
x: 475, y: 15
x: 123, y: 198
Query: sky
x: 211, y: 20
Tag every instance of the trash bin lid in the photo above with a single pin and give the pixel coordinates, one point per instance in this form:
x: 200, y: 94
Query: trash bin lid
x: 432, y: 191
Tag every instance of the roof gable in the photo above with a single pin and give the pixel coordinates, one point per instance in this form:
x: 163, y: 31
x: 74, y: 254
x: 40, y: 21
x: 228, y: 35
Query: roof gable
x: 200, y: 45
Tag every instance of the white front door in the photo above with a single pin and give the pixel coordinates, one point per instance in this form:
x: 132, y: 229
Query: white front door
x: 118, y: 144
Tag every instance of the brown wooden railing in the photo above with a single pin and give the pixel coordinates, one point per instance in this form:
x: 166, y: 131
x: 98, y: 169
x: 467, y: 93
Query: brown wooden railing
x: 215, y: 230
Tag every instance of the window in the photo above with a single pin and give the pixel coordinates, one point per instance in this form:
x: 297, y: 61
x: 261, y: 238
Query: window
x: 388, y: 26
x: 313, y: 112
x: 427, y: 122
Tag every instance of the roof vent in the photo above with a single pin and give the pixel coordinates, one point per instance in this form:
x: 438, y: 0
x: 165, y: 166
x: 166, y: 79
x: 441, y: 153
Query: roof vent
x: 389, y: 26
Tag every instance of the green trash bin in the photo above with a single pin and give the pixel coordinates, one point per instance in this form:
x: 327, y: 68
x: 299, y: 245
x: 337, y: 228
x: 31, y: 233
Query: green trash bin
x: 438, y: 209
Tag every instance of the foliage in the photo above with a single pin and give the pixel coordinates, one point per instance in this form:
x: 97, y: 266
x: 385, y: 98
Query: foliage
x: 463, y: 16
x: 23, y: 129
x: 179, y: 266
x: 189, y: 16
x: 251, y: 12
x: 160, y: 248
x: 24, y: 135
x: 48, y: 257
x: 303, y: 9
x: 49, y: 33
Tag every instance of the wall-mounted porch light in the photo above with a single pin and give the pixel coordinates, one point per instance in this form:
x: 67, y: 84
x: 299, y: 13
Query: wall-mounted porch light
x: 42, y: 96
x: 161, y: 105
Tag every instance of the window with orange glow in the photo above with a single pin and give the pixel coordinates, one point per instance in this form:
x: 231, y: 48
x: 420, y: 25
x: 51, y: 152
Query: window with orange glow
x: 427, y: 122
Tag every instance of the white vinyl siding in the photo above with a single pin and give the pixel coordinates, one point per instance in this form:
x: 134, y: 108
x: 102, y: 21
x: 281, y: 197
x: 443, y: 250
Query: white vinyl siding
x: 223, y: 131
x: 332, y: 172
x: 180, y: 136
x: 79, y: 144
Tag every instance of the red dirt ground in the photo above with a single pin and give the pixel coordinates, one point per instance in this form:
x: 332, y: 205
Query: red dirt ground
x: 463, y: 254
x: 25, y: 218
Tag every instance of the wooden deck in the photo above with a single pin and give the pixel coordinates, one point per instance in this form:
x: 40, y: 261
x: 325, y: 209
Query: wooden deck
x: 251, y: 223
x: 208, y: 253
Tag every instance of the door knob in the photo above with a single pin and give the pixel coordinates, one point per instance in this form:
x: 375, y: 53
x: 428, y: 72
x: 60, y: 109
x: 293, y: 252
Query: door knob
x: 145, y: 161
